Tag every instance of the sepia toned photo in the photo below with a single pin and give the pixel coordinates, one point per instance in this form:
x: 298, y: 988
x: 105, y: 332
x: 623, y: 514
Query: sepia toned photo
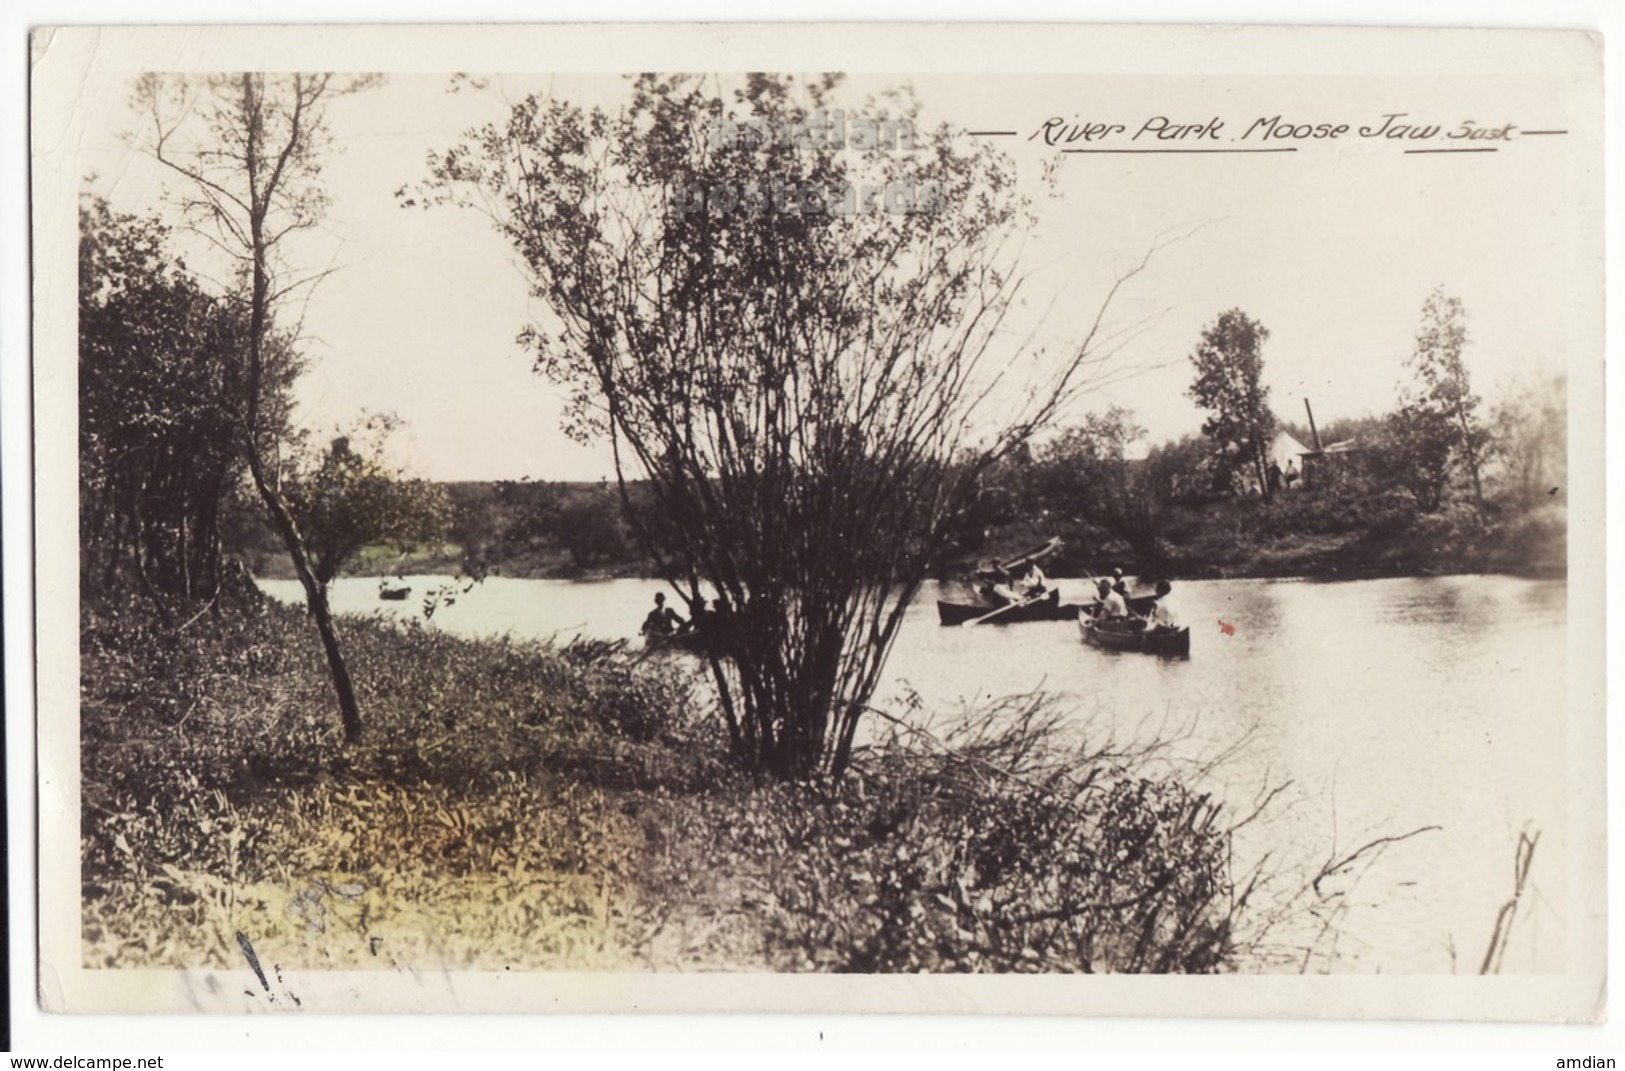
x: 705, y: 519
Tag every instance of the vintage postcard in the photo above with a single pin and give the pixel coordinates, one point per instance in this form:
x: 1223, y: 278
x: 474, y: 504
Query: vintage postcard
x: 957, y: 519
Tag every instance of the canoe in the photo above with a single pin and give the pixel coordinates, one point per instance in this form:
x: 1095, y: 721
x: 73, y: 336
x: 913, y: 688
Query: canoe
x: 1151, y: 641
x: 690, y: 641
x: 1048, y: 608
x: 672, y: 641
x: 394, y: 594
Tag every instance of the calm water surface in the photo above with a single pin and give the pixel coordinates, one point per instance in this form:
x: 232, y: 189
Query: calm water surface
x: 1388, y: 705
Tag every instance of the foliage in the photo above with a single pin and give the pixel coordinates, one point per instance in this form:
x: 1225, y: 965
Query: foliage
x: 350, y: 498
x: 1416, y: 450
x: 524, y: 521
x: 1229, y: 364
x: 160, y: 397
x: 797, y: 377
x: 1528, y: 436
x: 1086, y: 473
x: 589, y: 527
x: 1442, y: 395
x: 996, y: 850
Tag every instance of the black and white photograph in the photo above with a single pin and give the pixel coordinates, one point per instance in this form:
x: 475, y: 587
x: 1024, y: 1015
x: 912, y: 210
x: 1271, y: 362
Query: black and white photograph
x: 932, y: 519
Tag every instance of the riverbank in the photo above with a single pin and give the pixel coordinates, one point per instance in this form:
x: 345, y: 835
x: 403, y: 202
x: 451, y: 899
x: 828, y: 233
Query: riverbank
x: 1211, y: 548
x: 1299, y: 536
x: 537, y: 807
x: 1323, y: 536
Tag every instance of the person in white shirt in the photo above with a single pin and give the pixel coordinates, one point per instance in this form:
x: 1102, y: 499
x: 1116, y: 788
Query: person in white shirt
x: 1112, y: 604
x: 1032, y: 581
x: 1165, y: 614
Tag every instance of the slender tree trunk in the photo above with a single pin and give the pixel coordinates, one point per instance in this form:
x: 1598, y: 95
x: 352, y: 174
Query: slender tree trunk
x: 262, y: 191
x: 315, y: 596
x: 1472, y: 455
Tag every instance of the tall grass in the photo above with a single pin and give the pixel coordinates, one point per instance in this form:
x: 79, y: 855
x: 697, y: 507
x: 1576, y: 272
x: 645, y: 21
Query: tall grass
x: 537, y: 807
x: 475, y: 824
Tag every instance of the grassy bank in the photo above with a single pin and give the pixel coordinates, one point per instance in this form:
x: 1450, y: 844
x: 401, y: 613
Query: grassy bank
x: 517, y: 805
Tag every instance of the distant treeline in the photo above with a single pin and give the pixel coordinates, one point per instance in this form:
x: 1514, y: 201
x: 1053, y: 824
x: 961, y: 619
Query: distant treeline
x: 1441, y: 483
x: 1360, y: 511
x: 519, y: 528
x: 1161, y: 514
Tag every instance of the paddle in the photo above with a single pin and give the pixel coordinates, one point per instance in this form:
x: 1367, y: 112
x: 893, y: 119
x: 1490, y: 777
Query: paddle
x: 1033, y: 555
x: 1092, y: 582
x: 1007, y: 606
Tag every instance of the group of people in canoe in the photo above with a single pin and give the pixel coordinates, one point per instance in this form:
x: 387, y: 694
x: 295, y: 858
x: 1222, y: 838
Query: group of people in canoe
x: 1004, y: 586
x: 1112, y: 602
x: 1015, y: 590
x: 1022, y: 581
x: 705, y: 623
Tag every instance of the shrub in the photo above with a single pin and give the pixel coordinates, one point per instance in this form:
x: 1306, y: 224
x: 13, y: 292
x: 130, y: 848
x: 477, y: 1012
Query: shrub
x: 1000, y: 850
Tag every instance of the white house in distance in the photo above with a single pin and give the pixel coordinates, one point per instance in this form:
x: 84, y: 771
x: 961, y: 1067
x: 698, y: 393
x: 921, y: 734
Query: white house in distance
x: 1287, y: 449
x: 1286, y: 453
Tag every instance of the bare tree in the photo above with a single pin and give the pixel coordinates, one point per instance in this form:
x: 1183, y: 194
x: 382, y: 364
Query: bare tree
x: 249, y: 148
x: 788, y: 318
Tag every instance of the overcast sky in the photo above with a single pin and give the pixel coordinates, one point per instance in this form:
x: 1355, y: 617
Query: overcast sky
x: 1333, y: 247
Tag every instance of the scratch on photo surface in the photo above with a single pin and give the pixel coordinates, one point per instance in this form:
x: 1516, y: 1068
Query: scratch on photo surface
x: 253, y: 960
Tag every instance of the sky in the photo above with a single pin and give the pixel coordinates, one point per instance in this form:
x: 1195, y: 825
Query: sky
x: 1333, y: 247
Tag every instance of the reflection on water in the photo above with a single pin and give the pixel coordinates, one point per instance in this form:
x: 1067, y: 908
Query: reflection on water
x: 1388, y: 704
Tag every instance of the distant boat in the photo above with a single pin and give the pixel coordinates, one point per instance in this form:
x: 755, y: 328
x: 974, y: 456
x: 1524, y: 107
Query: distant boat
x: 394, y: 594
x: 1110, y: 636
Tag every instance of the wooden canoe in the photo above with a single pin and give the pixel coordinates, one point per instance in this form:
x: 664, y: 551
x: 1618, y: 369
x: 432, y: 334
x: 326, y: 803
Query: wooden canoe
x: 1049, y: 608
x: 1112, y: 637
x: 690, y: 641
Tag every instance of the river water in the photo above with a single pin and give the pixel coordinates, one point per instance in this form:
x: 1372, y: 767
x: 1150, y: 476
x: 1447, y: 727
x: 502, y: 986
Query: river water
x: 1383, y: 706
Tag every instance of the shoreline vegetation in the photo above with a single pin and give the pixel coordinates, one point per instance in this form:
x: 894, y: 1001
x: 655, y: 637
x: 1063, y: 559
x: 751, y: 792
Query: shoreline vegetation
x: 1298, y: 535
x: 525, y: 806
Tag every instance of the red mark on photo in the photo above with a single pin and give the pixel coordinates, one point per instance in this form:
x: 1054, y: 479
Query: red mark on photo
x: 1226, y: 628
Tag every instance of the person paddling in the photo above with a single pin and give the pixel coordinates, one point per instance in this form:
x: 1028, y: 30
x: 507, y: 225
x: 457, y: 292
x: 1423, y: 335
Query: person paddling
x: 1165, y: 614
x: 1112, y: 604
x: 1033, y: 583
x: 1004, y: 589
x: 662, y: 620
